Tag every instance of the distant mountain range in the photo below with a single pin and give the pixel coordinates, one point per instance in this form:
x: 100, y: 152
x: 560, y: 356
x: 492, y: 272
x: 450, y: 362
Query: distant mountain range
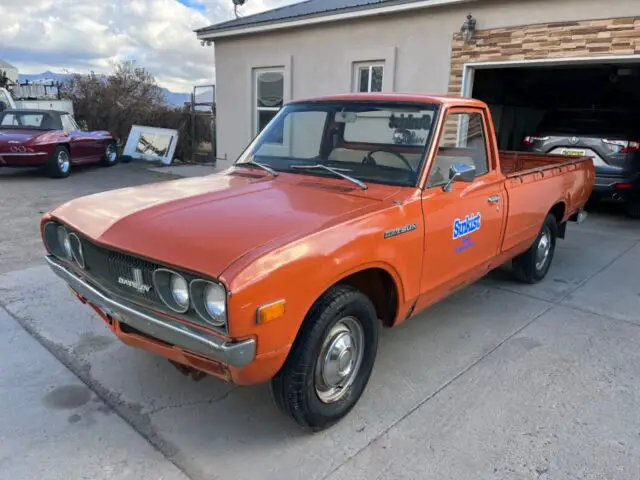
x: 172, y: 98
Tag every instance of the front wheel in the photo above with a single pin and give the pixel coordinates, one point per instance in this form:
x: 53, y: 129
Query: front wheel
x: 533, y: 265
x: 330, y: 362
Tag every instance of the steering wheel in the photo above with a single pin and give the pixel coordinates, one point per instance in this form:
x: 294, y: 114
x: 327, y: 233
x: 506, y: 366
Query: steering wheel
x: 369, y: 160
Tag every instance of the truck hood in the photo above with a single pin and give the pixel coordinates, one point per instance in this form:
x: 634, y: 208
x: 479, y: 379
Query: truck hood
x: 204, y: 224
x: 10, y: 135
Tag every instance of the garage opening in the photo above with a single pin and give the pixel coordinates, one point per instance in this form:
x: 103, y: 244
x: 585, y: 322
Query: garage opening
x: 525, y: 100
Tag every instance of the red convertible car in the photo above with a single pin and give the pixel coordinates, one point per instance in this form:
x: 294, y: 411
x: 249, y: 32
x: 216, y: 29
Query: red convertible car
x: 51, y: 140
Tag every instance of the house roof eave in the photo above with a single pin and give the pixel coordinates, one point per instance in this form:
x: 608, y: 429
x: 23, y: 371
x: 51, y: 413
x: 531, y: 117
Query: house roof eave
x: 213, y: 33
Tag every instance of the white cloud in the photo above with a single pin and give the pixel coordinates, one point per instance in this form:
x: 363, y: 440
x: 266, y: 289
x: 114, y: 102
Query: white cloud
x: 80, y: 36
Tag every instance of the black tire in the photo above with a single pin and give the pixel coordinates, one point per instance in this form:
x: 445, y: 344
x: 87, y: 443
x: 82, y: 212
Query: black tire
x: 59, y: 163
x: 632, y: 209
x: 110, y: 155
x: 295, y: 388
x: 528, y: 267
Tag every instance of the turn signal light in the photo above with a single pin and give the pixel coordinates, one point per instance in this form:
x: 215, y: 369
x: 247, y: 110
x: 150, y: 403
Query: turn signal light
x: 624, y: 186
x: 269, y: 313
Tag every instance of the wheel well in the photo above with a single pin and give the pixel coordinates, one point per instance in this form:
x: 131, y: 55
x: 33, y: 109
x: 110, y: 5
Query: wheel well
x: 65, y: 145
x: 379, y: 286
x: 558, y: 211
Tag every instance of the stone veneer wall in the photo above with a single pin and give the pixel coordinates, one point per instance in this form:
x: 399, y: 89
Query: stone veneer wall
x: 591, y: 38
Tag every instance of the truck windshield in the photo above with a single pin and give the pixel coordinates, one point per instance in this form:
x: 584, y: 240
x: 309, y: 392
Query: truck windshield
x: 378, y: 142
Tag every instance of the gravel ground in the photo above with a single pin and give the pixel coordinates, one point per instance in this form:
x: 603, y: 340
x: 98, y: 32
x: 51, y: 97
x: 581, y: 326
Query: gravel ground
x: 26, y: 194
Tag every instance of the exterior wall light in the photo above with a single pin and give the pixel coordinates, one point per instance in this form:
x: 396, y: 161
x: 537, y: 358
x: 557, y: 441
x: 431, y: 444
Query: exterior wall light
x: 468, y: 28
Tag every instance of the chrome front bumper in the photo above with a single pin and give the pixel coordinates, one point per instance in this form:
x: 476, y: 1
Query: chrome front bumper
x: 169, y: 331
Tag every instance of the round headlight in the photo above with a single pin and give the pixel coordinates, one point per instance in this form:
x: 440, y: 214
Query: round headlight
x: 172, y: 289
x: 65, y: 242
x: 76, y: 249
x: 214, y: 303
x: 180, y: 291
x: 210, y: 302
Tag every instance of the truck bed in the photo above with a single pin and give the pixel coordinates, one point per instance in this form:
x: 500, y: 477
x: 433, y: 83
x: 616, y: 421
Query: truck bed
x: 519, y: 163
x: 534, y: 183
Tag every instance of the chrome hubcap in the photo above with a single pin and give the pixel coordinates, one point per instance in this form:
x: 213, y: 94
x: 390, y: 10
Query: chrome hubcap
x: 63, y: 161
x: 339, y: 361
x: 544, y: 247
x: 111, y: 153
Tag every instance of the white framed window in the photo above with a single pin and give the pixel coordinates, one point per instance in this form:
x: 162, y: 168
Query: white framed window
x: 368, y: 77
x: 268, y: 96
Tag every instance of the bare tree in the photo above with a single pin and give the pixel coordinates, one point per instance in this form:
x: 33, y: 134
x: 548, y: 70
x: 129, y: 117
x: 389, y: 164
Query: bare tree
x: 128, y: 95
x: 116, y: 101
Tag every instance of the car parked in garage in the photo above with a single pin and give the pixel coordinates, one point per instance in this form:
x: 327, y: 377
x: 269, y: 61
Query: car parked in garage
x: 610, y: 138
x: 51, y: 140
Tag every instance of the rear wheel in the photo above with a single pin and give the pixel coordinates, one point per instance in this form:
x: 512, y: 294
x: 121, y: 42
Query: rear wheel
x: 331, y: 360
x: 533, y: 265
x: 59, y: 163
x: 110, y: 156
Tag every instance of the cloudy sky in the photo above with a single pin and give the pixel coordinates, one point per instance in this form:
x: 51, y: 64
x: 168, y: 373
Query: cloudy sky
x: 80, y: 35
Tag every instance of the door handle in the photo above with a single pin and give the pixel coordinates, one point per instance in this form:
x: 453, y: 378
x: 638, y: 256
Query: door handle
x: 493, y: 199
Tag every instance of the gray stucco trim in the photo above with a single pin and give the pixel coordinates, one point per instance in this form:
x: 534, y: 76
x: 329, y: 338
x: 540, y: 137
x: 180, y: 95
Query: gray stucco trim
x: 373, y: 54
x: 267, y: 61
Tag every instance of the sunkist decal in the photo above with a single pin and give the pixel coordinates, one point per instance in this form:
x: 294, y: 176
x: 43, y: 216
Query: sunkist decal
x: 470, y: 224
x: 464, y: 228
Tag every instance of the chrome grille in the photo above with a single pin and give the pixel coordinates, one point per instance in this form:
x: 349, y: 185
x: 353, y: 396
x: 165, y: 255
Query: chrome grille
x: 106, y: 267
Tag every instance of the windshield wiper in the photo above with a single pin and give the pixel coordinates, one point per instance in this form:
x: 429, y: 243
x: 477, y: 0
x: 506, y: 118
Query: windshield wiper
x: 259, y: 165
x: 335, y: 171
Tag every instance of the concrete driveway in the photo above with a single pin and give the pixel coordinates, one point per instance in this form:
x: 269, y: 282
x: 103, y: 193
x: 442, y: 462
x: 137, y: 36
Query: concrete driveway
x: 501, y: 381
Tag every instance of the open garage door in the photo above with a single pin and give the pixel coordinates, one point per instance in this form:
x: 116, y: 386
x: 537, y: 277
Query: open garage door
x: 521, y: 97
x: 571, y: 109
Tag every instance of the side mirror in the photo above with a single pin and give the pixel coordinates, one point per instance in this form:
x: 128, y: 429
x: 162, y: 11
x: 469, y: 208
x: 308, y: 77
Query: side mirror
x: 460, y: 172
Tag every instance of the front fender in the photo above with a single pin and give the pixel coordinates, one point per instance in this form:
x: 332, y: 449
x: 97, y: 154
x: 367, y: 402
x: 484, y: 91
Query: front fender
x: 301, y: 271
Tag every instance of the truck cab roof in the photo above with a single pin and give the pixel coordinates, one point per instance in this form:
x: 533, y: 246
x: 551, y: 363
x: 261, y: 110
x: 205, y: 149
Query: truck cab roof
x: 398, y: 97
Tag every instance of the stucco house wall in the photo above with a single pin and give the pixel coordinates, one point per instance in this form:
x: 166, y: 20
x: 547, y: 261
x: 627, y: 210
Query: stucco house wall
x: 415, y: 47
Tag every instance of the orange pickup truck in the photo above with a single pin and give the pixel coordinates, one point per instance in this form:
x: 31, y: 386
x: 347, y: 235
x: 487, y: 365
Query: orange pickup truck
x: 344, y: 215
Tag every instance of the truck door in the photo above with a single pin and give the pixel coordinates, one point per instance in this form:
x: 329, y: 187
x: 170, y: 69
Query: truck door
x: 464, y: 225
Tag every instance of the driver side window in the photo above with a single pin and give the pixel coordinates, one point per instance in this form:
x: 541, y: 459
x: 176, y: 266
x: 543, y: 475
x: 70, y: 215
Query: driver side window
x: 462, y: 141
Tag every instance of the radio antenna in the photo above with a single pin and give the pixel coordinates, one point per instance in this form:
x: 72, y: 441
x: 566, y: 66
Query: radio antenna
x: 236, y: 4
